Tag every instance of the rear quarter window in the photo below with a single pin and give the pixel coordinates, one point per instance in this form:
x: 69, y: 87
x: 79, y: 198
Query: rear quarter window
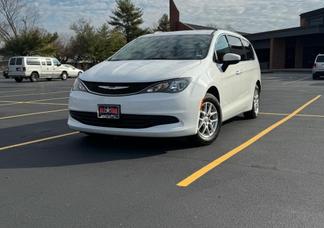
x: 12, y: 61
x: 19, y: 61
x: 33, y: 62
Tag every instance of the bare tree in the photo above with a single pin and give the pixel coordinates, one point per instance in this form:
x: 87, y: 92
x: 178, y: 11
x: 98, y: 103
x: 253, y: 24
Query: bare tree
x: 14, y: 19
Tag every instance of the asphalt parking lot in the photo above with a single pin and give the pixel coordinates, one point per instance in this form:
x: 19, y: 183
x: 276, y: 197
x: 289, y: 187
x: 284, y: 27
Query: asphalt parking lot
x: 267, y: 172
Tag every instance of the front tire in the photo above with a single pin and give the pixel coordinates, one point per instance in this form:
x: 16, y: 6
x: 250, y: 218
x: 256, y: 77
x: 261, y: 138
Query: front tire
x: 254, y: 112
x: 315, y: 76
x: 210, y: 121
x: 34, y: 77
x: 64, y: 76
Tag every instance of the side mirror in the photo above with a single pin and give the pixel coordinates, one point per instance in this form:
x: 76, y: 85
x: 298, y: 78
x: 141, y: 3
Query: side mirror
x: 58, y: 64
x: 230, y: 59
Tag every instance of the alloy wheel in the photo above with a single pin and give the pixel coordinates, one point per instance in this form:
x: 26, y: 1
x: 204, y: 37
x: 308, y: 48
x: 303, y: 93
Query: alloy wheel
x: 208, y: 120
x: 256, y: 102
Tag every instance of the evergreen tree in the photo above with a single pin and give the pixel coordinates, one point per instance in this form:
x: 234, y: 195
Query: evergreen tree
x: 127, y: 18
x: 93, y: 44
x: 163, y: 24
x: 32, y: 42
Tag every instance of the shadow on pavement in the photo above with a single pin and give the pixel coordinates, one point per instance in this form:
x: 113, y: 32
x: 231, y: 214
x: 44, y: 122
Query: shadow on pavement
x: 82, y: 149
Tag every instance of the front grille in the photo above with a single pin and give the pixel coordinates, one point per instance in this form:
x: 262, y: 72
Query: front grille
x: 125, y: 121
x: 116, y: 89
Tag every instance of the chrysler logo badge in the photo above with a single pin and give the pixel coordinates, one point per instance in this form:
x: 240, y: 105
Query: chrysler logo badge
x: 113, y: 87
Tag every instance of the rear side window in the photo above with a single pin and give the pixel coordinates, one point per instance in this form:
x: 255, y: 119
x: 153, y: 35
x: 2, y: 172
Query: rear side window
x: 248, y: 50
x: 320, y: 59
x: 19, y: 61
x: 49, y: 62
x: 33, y: 62
x: 237, y: 47
x: 12, y: 61
x: 222, y: 48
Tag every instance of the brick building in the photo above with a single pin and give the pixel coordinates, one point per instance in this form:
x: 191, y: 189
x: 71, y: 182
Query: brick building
x: 280, y: 49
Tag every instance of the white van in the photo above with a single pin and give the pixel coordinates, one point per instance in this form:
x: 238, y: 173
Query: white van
x: 169, y: 84
x: 34, y: 68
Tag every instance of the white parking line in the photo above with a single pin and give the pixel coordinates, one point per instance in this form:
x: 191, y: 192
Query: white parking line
x: 32, y: 114
x: 34, y: 94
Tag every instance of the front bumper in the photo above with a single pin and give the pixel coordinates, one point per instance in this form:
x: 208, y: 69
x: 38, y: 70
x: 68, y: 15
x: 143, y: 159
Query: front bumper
x: 183, y: 106
x: 319, y: 72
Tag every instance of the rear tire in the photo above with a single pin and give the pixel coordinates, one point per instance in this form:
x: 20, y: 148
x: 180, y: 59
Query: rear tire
x: 210, y: 121
x: 34, y: 77
x: 315, y: 77
x: 254, y: 112
x: 64, y: 76
x: 18, y: 80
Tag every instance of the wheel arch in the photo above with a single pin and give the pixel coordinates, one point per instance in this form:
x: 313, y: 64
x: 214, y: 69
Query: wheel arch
x: 214, y: 91
x: 35, y: 71
x: 258, y: 83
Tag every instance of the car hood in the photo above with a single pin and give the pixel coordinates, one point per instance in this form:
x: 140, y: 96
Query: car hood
x: 138, y: 71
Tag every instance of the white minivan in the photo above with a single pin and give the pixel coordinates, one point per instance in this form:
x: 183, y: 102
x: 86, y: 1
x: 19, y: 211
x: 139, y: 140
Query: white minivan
x: 169, y: 84
x: 34, y: 68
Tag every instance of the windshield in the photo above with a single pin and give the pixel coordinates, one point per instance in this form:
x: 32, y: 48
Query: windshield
x: 320, y: 59
x: 174, y: 47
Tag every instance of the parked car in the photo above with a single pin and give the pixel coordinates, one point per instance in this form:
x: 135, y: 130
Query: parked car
x: 72, y: 71
x: 170, y: 84
x: 35, y: 68
x: 318, y: 68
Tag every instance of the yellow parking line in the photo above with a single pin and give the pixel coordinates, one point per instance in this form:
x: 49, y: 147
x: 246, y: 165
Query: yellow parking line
x: 34, y: 94
x: 38, y: 140
x: 32, y: 114
x: 43, y: 103
x: 9, y: 103
x: 198, y: 174
x: 16, y: 91
x: 49, y: 99
x: 30, y: 90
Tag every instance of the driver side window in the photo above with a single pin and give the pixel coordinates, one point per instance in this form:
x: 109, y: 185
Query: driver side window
x: 221, y: 48
x: 56, y: 62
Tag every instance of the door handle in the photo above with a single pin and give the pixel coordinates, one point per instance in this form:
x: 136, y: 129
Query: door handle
x: 238, y: 72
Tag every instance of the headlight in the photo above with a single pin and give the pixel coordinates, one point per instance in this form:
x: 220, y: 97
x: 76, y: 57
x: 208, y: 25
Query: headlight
x: 79, y: 86
x: 170, y: 86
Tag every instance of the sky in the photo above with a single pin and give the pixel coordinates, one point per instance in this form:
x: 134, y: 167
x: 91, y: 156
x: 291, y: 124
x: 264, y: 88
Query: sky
x: 243, y: 15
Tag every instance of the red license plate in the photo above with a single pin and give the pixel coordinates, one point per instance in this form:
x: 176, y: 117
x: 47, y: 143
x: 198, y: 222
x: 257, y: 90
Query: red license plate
x: 109, y: 112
